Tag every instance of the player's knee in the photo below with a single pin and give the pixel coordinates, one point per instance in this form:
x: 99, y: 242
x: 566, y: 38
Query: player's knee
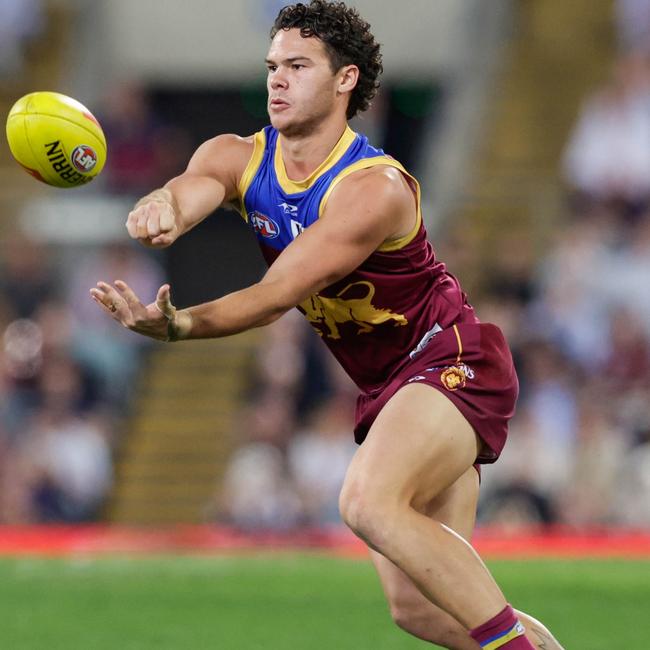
x: 366, y: 514
x: 356, y: 511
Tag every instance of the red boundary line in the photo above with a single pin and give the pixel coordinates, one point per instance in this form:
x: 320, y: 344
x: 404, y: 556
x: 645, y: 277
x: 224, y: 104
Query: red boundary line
x: 489, y: 542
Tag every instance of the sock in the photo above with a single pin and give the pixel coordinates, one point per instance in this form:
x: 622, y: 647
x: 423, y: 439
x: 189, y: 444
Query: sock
x: 503, y: 631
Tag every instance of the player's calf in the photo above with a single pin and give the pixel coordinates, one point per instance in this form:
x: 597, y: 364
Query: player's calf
x: 415, y: 615
x: 423, y: 620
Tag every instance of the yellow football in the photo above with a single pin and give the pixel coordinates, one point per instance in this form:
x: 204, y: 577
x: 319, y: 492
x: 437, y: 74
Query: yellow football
x: 56, y: 139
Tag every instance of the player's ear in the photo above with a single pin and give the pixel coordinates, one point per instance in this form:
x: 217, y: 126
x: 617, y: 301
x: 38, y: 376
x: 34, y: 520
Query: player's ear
x: 348, y: 77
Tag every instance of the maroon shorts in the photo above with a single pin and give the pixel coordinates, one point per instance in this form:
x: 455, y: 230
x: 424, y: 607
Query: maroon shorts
x: 471, y: 364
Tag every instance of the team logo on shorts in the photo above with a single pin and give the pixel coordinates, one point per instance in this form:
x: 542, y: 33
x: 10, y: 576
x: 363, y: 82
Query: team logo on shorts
x: 83, y: 158
x: 451, y: 377
x: 454, y: 378
x: 264, y: 225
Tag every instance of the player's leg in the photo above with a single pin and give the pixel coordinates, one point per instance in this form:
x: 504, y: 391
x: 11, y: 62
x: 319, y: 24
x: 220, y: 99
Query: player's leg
x: 418, y: 446
x: 421, y: 618
x: 456, y: 508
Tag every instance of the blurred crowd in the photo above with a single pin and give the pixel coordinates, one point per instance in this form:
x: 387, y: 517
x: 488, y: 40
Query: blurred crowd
x: 66, y: 376
x: 67, y: 372
x: 577, y: 317
x: 578, y: 320
x: 21, y: 23
x: 296, y: 435
x: 579, y: 446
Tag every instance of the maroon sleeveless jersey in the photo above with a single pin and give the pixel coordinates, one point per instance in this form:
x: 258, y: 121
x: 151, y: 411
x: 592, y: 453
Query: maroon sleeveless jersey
x: 381, y: 317
x: 400, y: 316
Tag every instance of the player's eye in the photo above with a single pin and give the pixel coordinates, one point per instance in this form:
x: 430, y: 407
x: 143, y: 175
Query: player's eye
x: 271, y: 68
x: 297, y: 66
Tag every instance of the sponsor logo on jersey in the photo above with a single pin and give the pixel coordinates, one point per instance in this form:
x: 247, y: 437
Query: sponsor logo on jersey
x: 296, y: 228
x: 416, y: 378
x: 469, y: 372
x: 264, y: 225
x: 353, y: 304
x: 425, y: 341
x: 289, y: 209
x: 83, y: 158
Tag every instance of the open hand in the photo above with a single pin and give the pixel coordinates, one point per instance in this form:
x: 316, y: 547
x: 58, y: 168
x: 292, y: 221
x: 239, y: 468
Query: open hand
x: 120, y: 303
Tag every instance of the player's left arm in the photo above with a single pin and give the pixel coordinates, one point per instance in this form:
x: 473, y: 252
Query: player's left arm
x: 363, y: 211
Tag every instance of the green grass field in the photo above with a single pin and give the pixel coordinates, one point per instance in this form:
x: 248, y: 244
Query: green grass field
x: 287, y: 602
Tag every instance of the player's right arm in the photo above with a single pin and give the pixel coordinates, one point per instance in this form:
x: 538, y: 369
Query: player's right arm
x: 210, y: 180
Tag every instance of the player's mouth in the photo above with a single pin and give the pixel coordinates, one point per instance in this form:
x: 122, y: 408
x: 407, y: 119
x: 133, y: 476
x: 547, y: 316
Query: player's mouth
x: 278, y: 104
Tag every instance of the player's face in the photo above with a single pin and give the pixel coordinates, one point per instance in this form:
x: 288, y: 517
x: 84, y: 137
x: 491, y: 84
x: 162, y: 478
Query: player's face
x: 302, y: 87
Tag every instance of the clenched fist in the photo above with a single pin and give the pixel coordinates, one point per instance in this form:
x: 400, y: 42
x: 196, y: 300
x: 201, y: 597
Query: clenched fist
x: 154, y: 220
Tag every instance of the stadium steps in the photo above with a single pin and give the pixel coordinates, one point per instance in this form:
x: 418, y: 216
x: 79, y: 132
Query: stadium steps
x: 181, y: 432
x: 557, y: 54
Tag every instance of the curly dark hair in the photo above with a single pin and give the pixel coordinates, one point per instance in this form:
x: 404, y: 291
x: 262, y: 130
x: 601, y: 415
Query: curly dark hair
x: 347, y: 39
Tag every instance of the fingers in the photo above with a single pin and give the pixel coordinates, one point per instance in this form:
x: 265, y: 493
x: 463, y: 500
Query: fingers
x: 118, y: 300
x: 151, y: 220
x: 162, y: 240
x: 123, y: 305
x: 132, y: 224
x: 167, y: 220
x: 128, y: 294
x: 111, y: 301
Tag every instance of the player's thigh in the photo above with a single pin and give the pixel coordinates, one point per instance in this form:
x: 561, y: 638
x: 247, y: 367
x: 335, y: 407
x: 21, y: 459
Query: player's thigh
x: 418, y: 446
x: 456, y: 508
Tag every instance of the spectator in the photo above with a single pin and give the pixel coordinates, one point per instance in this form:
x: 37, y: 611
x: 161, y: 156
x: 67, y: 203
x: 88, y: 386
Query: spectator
x: 20, y: 22
x: 28, y: 277
x: 607, y: 158
x: 258, y: 490
x: 568, y: 309
x: 319, y: 456
x: 144, y: 151
x: 519, y: 495
x: 632, y: 498
x: 64, y: 455
x: 601, y: 447
x: 111, y: 354
x: 633, y: 20
x: 626, y: 275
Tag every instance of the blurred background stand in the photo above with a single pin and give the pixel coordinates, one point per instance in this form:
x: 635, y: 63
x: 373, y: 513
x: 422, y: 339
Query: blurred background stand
x: 527, y: 124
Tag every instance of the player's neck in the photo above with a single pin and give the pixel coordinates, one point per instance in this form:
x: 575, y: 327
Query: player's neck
x: 303, y: 154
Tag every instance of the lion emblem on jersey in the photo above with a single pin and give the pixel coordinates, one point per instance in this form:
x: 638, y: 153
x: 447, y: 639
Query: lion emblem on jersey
x: 454, y: 378
x: 353, y: 304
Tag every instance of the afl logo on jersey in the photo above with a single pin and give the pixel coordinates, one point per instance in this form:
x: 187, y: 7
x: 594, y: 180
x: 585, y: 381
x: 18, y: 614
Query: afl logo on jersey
x: 264, y: 225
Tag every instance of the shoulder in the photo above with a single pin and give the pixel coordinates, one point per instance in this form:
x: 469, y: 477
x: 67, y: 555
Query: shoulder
x: 223, y: 158
x: 385, y: 176
x: 377, y: 198
x: 226, y: 149
x: 382, y: 188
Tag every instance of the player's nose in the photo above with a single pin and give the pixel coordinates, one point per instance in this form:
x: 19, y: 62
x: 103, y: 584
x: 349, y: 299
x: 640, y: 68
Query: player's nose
x: 278, y: 80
